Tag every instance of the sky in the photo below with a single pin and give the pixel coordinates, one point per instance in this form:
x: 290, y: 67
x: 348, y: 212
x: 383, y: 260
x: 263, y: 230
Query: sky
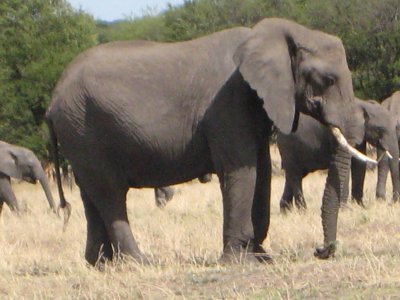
x: 111, y: 10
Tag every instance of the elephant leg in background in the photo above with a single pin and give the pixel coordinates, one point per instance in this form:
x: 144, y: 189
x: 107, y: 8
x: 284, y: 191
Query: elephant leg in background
x: 163, y: 195
x: 286, y: 203
x: 293, y: 189
x: 299, y: 195
x: 7, y: 194
x: 383, y: 170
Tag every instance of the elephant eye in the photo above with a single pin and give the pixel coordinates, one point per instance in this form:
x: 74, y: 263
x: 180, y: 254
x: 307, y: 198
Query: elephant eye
x: 329, y: 80
x: 320, y: 82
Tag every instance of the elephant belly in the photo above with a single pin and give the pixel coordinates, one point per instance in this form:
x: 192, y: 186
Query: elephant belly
x: 158, y: 161
x: 155, y: 169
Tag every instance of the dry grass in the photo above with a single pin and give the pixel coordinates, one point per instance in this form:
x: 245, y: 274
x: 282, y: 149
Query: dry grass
x: 184, y: 240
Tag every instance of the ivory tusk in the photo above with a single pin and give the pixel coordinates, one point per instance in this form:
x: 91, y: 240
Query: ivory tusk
x: 386, y: 153
x: 354, y: 152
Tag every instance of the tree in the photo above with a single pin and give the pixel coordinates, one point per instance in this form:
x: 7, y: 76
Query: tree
x: 38, y: 38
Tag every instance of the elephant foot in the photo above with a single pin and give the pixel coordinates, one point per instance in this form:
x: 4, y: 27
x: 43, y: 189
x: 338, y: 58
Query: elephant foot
x: 326, y: 251
x: 137, y: 258
x: 380, y: 197
x: 243, y: 255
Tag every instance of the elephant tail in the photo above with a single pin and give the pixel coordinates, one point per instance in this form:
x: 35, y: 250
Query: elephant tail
x: 64, y: 205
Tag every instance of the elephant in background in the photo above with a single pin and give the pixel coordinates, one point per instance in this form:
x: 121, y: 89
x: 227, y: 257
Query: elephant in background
x: 393, y: 105
x: 310, y: 148
x: 21, y: 163
x: 165, y: 194
x: 215, y: 99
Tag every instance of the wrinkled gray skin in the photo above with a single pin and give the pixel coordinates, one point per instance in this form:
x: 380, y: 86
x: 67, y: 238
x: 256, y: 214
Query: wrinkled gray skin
x: 165, y: 194
x: 214, y: 115
x: 310, y: 149
x: 21, y: 163
x: 393, y: 105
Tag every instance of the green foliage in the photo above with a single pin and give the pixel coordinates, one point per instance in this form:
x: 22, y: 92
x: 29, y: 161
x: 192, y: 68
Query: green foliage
x: 37, y: 39
x: 370, y: 30
x: 199, y: 17
x: 146, y: 28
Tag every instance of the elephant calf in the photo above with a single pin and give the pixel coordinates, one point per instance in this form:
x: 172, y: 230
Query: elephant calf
x: 310, y: 148
x: 21, y: 163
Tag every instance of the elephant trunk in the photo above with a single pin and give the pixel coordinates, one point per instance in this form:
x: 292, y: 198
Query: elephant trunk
x: 337, y: 174
x: 46, y: 188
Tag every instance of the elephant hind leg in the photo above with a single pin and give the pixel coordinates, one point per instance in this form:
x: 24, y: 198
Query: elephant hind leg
x: 98, y: 245
x: 299, y: 196
x: 108, y: 225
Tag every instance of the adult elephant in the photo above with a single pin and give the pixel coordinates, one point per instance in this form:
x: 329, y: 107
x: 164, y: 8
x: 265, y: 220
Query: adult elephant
x: 214, y: 114
x: 310, y: 149
x: 393, y: 105
x: 21, y: 163
x: 165, y: 194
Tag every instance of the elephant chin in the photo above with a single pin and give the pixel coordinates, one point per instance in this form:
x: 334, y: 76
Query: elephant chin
x: 354, y: 152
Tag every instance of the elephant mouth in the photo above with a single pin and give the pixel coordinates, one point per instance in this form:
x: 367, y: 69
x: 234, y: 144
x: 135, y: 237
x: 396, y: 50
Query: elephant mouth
x: 313, y: 95
x: 353, y: 151
x: 29, y: 179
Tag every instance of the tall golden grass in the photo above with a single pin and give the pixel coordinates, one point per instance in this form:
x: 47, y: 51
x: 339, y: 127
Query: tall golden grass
x: 38, y: 261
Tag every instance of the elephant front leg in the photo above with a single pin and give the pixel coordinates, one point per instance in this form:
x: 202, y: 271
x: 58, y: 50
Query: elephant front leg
x: 238, y: 234
x: 7, y: 194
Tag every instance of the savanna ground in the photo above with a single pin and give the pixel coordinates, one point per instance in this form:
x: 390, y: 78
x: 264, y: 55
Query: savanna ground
x: 38, y: 261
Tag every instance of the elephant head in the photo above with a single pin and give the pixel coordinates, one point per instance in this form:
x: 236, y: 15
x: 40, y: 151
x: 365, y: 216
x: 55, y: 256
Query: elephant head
x: 21, y: 163
x: 294, y: 69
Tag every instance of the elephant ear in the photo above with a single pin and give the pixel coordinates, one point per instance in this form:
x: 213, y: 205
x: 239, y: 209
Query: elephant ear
x: 265, y: 62
x: 9, y: 163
